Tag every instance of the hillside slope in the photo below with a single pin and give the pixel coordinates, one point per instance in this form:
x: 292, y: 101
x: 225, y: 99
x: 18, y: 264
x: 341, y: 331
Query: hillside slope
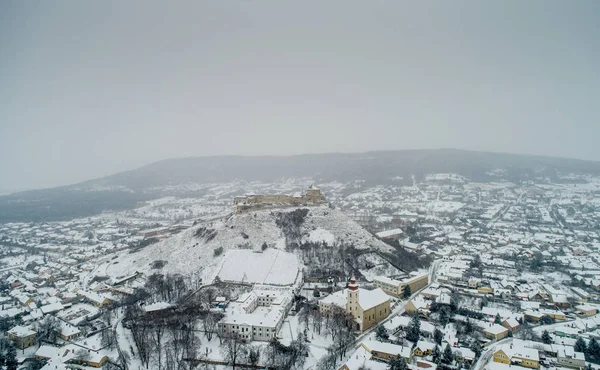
x: 201, y: 249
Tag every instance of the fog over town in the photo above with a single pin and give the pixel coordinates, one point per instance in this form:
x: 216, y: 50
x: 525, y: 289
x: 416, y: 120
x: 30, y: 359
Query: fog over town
x: 320, y: 186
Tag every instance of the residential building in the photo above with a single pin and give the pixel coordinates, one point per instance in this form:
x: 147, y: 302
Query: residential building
x: 22, y: 336
x: 386, y: 351
x: 423, y: 348
x: 586, y: 310
x: 511, y: 324
x: 566, y: 356
x: 518, y: 355
x: 495, y: 331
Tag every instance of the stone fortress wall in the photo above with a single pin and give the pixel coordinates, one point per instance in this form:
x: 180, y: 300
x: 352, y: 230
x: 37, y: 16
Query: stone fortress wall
x: 311, y: 197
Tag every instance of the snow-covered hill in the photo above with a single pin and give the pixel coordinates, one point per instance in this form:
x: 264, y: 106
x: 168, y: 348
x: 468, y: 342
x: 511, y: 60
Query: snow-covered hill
x: 201, y: 248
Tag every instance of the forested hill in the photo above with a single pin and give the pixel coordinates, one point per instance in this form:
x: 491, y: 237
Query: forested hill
x: 124, y: 190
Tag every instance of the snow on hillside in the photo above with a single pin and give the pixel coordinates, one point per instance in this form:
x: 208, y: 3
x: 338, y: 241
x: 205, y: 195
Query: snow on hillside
x: 203, y: 247
x: 320, y: 236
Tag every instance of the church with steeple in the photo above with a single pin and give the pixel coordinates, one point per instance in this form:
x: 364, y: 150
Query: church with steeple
x: 367, y: 307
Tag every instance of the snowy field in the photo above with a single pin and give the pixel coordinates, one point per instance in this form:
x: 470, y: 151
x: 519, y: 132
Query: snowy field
x: 272, y: 266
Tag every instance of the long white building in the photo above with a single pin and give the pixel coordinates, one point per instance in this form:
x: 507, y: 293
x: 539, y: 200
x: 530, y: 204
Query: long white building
x: 257, y: 315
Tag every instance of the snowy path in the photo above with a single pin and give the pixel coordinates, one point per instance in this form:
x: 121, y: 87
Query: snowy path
x: 487, y: 354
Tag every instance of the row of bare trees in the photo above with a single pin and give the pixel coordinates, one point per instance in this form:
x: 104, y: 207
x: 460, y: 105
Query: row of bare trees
x: 167, y: 336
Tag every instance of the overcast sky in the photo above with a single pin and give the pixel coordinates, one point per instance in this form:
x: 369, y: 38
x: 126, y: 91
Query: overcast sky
x: 89, y: 88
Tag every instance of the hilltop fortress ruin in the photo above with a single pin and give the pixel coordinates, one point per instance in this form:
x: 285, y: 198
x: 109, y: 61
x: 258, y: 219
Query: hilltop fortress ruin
x: 311, y: 197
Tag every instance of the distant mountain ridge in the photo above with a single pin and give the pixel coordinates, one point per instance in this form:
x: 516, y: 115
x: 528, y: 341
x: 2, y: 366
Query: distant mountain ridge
x: 125, y: 189
x: 338, y: 166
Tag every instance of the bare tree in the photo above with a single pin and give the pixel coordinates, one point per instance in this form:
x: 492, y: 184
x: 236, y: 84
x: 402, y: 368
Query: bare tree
x: 141, y: 336
x: 124, y: 359
x: 48, y: 329
x: 328, y: 361
x: 253, y: 355
x: 108, y: 339
x: 156, y: 332
x: 317, y: 319
x: 233, y: 349
x: 210, y: 323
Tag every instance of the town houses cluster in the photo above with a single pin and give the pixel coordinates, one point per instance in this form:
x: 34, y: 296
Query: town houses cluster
x: 496, y: 276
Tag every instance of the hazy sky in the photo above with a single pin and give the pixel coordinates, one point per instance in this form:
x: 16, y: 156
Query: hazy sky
x: 88, y: 88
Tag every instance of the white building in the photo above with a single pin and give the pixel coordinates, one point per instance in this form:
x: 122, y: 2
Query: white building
x: 257, y: 315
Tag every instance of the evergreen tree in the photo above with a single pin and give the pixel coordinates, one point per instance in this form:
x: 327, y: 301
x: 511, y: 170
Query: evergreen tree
x: 497, y: 319
x: 476, y: 262
x: 406, y: 291
x: 381, y: 334
x: 398, y: 363
x: 546, y: 338
x: 11, y: 359
x: 444, y: 316
x: 476, y: 347
x: 580, y: 345
x: 447, y: 357
x: 436, y: 355
x: 413, y: 330
x: 593, y: 350
x: 438, y: 336
x: 468, y: 326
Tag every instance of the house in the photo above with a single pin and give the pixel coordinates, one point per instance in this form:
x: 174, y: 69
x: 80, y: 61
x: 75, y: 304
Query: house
x: 560, y: 300
x: 586, y: 310
x: 68, y: 332
x: 511, y: 324
x: 417, y: 305
x: 22, y: 336
x: 92, y: 358
x: 485, y: 290
x: 536, y: 296
x: 386, y: 351
x: 464, y: 355
x: 51, y: 308
x: 390, y: 234
x: 60, y: 357
x: 362, y: 359
x: 566, y: 356
x: 94, y: 298
x: 473, y: 282
x: 510, y: 354
x: 495, y: 331
x: 537, y: 315
x: 423, y: 348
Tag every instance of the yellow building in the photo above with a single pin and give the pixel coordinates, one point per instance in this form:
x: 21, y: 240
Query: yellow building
x: 423, y: 348
x: 22, y: 336
x: 586, y: 310
x: 522, y: 356
x: 386, y: 351
x: 496, y: 331
x: 485, y: 290
x: 417, y: 305
x: 396, y: 287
